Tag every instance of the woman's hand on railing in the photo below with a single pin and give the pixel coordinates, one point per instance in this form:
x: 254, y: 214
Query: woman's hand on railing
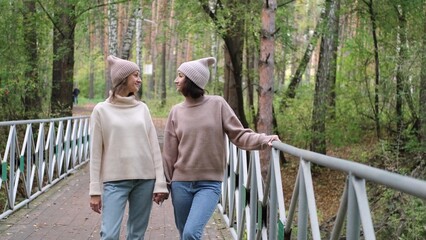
x: 273, y: 138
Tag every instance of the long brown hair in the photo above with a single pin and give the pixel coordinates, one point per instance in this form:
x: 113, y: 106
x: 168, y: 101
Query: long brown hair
x: 119, y: 88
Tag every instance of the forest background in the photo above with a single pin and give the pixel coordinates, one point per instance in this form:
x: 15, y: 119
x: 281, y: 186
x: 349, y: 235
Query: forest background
x: 341, y: 77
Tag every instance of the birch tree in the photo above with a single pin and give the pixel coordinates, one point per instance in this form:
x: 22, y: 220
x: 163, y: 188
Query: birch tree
x: 139, y: 40
x: 130, y: 30
x: 112, y: 41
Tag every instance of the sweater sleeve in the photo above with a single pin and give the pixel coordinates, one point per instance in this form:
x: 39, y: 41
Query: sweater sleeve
x: 95, y: 154
x: 244, y: 138
x: 160, y: 180
x: 170, y: 148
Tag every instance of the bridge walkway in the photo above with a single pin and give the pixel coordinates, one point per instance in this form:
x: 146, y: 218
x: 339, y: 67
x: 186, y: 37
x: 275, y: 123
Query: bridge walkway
x: 63, y: 212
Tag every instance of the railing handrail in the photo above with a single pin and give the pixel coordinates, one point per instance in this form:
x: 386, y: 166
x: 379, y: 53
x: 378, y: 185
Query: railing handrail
x: 254, y: 208
x: 395, y: 181
x: 21, y: 122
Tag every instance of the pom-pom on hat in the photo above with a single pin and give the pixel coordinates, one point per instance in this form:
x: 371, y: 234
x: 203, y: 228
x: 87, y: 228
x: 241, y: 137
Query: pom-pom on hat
x: 198, y: 70
x: 120, y: 69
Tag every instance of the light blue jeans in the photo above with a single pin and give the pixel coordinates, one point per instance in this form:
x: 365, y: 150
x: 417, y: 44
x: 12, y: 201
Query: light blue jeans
x: 115, y: 196
x: 194, y: 204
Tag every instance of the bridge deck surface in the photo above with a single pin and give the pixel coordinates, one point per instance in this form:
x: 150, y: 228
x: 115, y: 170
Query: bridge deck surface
x: 63, y: 212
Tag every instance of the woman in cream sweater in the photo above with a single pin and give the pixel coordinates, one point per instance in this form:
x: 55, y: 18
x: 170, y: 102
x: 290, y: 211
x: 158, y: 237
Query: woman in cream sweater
x: 125, y: 157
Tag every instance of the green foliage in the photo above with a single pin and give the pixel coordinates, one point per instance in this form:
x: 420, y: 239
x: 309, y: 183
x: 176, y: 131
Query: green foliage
x: 159, y: 111
x: 405, y: 217
x: 191, y: 18
x: 82, y: 75
x: 294, y: 123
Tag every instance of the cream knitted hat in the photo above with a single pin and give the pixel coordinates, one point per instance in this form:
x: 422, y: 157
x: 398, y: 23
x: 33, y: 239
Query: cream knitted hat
x: 198, y: 70
x: 120, y: 69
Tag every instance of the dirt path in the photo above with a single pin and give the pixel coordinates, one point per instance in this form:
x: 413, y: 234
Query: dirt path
x: 81, y: 110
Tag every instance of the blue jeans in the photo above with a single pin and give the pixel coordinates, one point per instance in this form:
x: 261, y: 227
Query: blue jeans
x: 194, y: 204
x: 114, y: 199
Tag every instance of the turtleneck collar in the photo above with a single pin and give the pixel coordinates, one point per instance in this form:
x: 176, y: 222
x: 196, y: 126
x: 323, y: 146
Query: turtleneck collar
x: 124, y: 101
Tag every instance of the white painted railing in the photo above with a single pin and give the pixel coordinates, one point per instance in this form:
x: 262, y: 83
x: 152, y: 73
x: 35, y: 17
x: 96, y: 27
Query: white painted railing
x: 32, y: 162
x: 253, y: 209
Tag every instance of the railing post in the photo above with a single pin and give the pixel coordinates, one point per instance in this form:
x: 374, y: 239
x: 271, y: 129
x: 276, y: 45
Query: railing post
x: 27, y: 161
x: 39, y: 153
x: 365, y: 215
x: 353, y: 221
x: 338, y: 224
x: 273, y: 203
x: 302, y: 220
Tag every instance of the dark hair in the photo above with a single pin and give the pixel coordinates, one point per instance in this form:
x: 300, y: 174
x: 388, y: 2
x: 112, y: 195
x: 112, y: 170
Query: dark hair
x: 191, y: 89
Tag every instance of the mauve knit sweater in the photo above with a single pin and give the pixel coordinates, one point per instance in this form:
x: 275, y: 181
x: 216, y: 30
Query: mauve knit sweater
x: 124, y: 144
x: 194, y: 139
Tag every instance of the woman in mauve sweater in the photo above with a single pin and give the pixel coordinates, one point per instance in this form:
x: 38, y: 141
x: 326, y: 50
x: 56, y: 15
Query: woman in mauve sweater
x: 125, y: 156
x: 194, y: 147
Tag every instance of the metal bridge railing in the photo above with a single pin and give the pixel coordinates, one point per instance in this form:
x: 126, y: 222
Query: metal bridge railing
x: 37, y: 154
x: 254, y: 209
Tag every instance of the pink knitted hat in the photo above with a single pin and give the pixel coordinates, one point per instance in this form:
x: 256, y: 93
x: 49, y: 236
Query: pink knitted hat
x: 120, y: 69
x: 198, y: 70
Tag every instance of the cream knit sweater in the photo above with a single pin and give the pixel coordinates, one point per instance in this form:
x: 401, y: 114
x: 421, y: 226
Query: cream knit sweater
x: 124, y: 144
x: 194, y: 139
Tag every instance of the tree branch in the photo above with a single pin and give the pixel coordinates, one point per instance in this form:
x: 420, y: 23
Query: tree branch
x: 97, y: 6
x: 283, y: 4
x: 55, y: 25
x: 211, y: 14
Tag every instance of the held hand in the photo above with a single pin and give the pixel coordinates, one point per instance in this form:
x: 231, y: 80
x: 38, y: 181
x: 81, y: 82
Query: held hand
x: 273, y: 138
x: 96, y: 203
x: 158, y: 198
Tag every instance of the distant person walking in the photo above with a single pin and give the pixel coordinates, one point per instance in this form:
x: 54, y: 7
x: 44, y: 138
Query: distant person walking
x: 125, y: 156
x: 75, y: 93
x: 194, y: 147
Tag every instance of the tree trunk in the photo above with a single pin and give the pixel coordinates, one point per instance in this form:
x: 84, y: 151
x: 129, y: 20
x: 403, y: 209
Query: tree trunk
x: 404, y: 58
x: 92, y: 41
x: 400, y: 78
x: 33, y: 91
x: 333, y: 30
x: 233, y: 59
x: 297, y: 77
x: 151, y: 81
x: 162, y: 38
x: 266, y: 76
x: 325, y: 77
x: 376, y: 68
x: 112, y: 41
x: 139, y: 41
x: 63, y: 61
x: 128, y: 37
x: 171, y: 66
